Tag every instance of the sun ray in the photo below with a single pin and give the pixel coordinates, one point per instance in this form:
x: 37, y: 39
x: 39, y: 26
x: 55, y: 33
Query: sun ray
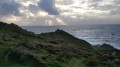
x: 60, y: 21
x: 45, y: 23
x: 48, y: 23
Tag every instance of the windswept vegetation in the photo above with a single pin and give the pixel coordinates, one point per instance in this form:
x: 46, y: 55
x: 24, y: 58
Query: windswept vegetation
x: 20, y: 48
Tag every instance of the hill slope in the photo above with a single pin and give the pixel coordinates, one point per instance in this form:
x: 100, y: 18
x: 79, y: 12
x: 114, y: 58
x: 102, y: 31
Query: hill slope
x: 20, y: 48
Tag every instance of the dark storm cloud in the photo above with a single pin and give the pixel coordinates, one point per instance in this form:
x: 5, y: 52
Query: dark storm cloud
x: 8, y: 7
x: 48, y: 6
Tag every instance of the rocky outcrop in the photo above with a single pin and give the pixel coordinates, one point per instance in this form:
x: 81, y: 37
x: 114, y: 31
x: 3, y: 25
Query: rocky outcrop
x: 7, y: 55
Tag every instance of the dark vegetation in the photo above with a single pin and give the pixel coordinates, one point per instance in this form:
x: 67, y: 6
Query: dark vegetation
x: 20, y: 48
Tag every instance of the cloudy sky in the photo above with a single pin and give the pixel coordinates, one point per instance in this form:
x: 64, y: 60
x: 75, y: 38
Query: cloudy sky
x: 60, y: 12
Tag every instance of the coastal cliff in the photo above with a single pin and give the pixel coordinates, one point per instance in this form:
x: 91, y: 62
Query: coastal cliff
x: 21, y: 48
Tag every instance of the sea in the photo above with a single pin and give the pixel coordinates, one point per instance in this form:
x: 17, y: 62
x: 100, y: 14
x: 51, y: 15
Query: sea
x: 96, y: 34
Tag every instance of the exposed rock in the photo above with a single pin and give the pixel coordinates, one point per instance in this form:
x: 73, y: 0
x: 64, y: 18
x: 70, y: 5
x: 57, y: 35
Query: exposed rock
x: 16, y: 37
x: 53, y: 42
x: 6, y: 55
x: 28, y: 45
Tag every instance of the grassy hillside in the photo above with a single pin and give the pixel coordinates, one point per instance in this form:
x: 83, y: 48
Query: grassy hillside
x: 20, y: 48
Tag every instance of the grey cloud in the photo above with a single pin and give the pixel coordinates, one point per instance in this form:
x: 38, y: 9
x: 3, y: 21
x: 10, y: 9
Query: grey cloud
x: 33, y: 8
x: 90, y: 20
x: 8, y: 7
x: 96, y: 0
x: 103, y: 7
x: 66, y: 2
x: 115, y: 12
x: 111, y: 8
x: 48, y: 6
x: 117, y: 1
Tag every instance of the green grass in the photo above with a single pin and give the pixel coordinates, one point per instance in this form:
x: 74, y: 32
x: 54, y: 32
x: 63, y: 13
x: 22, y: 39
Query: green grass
x: 71, y: 39
x: 32, y: 50
x: 73, y: 63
